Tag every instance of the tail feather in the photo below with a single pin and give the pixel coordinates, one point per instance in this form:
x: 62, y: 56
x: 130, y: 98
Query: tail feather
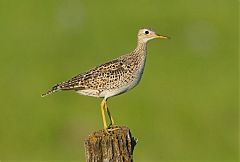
x: 52, y: 90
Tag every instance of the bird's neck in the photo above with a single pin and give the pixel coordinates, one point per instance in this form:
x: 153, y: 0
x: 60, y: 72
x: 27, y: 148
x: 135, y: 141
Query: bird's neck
x: 141, y: 48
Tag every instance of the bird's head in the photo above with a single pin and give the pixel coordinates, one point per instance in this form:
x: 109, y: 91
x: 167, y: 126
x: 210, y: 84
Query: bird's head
x: 145, y: 34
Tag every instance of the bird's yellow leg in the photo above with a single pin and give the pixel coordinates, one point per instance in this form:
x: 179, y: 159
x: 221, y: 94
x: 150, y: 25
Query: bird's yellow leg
x: 104, y: 107
x: 110, y: 128
x: 109, y: 114
x: 103, y: 115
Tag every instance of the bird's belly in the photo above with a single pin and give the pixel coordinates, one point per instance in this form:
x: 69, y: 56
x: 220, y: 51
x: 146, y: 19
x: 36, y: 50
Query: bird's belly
x: 113, y: 92
x: 121, y: 89
x: 89, y: 92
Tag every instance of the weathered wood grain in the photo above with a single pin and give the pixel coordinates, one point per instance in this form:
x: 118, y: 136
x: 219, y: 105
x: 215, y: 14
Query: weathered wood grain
x: 117, y: 146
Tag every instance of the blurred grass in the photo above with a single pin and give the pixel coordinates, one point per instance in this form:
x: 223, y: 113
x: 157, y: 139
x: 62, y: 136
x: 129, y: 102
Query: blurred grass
x: 185, y: 108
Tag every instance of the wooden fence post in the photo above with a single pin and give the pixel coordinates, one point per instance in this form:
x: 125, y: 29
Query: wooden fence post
x: 117, y: 146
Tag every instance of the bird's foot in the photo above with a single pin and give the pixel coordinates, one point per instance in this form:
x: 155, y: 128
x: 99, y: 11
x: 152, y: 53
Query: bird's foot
x: 106, y: 131
x: 111, y: 128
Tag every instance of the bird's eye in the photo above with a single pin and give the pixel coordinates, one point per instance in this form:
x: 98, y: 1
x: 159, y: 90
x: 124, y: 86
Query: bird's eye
x: 146, y: 32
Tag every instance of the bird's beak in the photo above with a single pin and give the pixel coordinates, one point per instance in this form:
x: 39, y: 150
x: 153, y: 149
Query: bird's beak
x: 162, y: 37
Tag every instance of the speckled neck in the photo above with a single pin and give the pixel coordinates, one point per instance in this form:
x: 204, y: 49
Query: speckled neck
x: 141, y: 48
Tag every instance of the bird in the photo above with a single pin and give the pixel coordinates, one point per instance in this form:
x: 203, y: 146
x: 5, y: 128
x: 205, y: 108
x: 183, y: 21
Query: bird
x: 112, y: 78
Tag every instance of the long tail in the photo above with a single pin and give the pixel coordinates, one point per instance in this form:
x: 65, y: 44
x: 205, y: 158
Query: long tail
x: 52, y: 90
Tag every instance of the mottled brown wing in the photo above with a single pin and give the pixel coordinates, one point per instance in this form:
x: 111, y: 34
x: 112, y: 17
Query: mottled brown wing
x: 96, y: 78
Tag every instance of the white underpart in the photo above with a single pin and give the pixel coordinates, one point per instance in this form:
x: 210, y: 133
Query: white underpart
x: 89, y: 92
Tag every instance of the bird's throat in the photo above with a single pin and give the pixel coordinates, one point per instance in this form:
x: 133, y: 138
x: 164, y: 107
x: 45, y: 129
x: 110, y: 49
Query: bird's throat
x: 141, y: 48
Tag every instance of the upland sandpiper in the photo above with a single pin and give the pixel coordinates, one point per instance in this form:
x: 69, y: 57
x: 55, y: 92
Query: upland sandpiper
x: 112, y: 78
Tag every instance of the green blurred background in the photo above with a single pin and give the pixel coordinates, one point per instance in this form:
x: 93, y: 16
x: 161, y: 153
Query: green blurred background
x: 185, y: 108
